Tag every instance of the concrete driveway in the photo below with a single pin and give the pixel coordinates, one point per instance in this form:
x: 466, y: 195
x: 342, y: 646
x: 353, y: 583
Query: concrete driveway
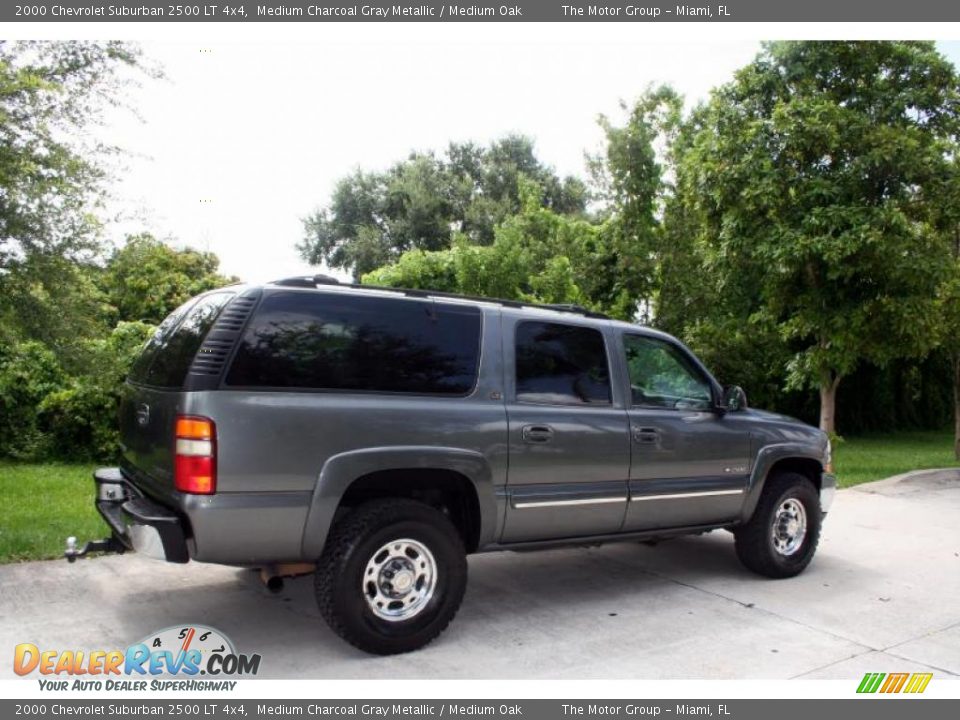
x: 883, y: 594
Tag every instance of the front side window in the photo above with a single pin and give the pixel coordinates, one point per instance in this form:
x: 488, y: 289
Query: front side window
x: 663, y: 376
x: 329, y: 341
x: 558, y: 363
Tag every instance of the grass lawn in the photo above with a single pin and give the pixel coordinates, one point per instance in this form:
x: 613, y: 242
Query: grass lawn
x: 874, y: 457
x: 44, y: 503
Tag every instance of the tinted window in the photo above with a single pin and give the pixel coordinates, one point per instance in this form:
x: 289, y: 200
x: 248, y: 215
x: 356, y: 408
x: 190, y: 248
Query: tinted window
x: 559, y: 363
x: 663, y: 376
x: 167, y: 355
x: 351, y: 342
x: 140, y: 367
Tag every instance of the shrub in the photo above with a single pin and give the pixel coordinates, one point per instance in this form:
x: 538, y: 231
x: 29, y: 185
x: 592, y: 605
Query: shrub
x: 29, y: 372
x: 79, y: 420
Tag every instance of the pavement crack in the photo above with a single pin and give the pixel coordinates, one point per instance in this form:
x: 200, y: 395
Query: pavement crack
x: 951, y: 626
x: 751, y: 606
x: 920, y: 662
x: 831, y: 664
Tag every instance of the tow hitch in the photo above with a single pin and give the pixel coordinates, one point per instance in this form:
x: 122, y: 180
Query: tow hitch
x: 107, y: 545
x: 137, y: 523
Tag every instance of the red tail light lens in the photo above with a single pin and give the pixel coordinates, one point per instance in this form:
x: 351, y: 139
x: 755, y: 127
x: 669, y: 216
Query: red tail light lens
x: 195, y: 455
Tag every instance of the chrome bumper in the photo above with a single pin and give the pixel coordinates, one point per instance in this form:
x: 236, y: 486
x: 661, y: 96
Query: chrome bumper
x: 828, y: 490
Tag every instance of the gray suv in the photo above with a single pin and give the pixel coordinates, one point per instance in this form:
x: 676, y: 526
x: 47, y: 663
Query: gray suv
x: 374, y: 437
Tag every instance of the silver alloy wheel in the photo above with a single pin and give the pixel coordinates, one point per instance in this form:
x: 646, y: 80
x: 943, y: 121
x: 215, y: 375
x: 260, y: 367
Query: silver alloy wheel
x: 789, y: 527
x: 399, y: 579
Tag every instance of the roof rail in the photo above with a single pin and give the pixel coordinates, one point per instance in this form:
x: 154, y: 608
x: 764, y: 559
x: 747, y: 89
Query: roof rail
x: 307, y: 281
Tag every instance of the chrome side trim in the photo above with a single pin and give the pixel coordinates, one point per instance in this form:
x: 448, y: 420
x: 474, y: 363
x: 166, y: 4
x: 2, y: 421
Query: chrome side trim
x: 564, y: 503
x: 677, y: 496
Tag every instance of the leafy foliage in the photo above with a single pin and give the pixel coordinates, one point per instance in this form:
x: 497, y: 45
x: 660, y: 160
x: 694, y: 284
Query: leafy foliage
x: 537, y: 255
x: 52, y: 173
x: 80, y: 418
x: 424, y: 201
x: 815, y: 174
x: 146, y: 279
x: 29, y: 372
x: 630, y: 175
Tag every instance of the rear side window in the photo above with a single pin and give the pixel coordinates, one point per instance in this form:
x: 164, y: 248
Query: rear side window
x: 557, y: 363
x: 167, y: 355
x: 327, y: 341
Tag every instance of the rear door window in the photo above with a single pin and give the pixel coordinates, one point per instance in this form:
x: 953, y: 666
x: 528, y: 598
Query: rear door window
x: 559, y: 363
x: 329, y: 341
x: 167, y: 355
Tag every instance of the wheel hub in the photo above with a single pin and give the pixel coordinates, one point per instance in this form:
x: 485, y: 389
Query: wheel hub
x: 789, y: 528
x: 399, y: 579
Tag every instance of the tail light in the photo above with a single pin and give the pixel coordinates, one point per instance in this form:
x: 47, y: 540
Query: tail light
x: 195, y: 455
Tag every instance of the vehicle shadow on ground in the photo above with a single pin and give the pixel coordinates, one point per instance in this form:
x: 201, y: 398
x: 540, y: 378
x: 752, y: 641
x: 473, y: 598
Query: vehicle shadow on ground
x: 514, y: 595
x: 617, y: 600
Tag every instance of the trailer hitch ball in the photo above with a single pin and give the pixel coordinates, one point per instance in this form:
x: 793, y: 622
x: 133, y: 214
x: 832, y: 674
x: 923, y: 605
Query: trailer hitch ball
x: 107, y: 545
x: 71, y: 551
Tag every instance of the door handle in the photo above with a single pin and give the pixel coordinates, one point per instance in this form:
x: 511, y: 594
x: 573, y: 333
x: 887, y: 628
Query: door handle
x: 646, y: 435
x: 536, y: 434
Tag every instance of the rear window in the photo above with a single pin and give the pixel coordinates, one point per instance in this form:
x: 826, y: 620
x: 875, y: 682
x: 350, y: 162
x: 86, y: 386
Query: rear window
x: 167, y: 355
x: 359, y: 343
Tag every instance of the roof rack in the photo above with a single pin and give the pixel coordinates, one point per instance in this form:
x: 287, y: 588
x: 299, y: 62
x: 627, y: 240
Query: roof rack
x: 308, y: 281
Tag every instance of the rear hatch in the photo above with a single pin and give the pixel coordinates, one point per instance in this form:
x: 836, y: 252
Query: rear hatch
x: 154, y: 393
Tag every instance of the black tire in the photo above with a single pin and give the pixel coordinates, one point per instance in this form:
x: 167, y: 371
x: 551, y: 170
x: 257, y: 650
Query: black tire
x: 755, y: 539
x: 352, y: 544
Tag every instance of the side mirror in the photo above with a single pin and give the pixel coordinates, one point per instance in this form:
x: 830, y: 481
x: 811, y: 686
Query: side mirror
x: 734, y: 398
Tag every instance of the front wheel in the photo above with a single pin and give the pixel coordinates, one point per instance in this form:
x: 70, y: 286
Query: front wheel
x: 781, y: 538
x: 392, y: 576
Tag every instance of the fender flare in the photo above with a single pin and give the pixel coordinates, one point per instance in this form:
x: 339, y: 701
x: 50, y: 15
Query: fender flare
x: 766, y: 459
x: 341, y: 470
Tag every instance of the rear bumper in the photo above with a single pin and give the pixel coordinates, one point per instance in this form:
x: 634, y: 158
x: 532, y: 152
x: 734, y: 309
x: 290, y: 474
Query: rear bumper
x: 828, y: 490
x: 137, y: 522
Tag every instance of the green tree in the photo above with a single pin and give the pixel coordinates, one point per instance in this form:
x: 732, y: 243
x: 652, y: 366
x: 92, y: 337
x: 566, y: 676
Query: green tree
x: 29, y: 371
x: 816, y: 176
x: 950, y: 298
x: 537, y: 255
x: 78, y: 418
x: 630, y: 176
x: 51, y: 174
x: 146, y: 279
x: 949, y: 225
x: 423, y: 201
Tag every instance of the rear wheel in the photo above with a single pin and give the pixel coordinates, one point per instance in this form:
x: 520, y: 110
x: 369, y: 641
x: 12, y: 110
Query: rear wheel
x: 392, y: 576
x: 781, y: 538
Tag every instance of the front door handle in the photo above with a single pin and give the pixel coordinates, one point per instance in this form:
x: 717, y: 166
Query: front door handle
x: 536, y: 434
x: 646, y: 435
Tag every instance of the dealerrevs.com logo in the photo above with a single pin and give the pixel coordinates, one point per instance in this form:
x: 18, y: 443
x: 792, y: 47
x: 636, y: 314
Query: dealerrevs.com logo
x: 154, y: 663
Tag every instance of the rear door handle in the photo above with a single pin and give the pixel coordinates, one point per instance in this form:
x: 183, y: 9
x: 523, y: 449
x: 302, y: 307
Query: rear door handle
x: 646, y: 435
x: 536, y: 434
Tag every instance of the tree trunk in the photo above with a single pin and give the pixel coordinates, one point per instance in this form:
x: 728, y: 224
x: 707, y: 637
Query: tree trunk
x: 828, y: 405
x: 956, y: 406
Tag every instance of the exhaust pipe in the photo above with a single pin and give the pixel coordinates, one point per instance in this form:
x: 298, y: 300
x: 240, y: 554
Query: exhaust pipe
x: 272, y: 575
x: 273, y: 583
